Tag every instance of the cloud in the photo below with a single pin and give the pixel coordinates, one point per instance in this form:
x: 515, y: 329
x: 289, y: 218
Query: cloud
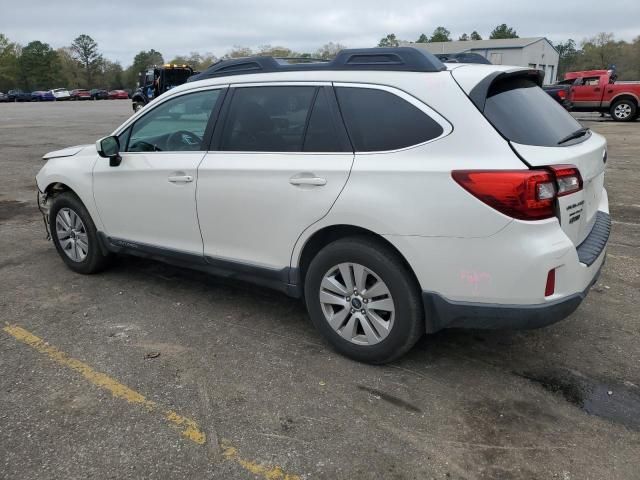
x: 123, y: 28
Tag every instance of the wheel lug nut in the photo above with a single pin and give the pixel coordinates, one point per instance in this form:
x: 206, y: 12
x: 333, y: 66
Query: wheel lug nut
x: 348, y: 299
x: 362, y: 311
x: 366, y: 301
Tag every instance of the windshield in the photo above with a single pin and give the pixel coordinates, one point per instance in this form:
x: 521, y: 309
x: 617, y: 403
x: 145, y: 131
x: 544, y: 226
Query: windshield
x: 524, y: 113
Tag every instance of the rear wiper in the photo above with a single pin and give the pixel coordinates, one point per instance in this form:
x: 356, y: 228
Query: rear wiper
x: 577, y: 134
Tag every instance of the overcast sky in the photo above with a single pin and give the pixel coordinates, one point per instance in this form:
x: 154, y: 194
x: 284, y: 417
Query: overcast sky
x: 124, y: 27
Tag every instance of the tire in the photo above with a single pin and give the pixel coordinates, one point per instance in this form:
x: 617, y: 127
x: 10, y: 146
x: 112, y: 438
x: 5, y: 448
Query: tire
x: 68, y: 204
x: 137, y: 106
x: 405, y: 324
x: 624, y: 110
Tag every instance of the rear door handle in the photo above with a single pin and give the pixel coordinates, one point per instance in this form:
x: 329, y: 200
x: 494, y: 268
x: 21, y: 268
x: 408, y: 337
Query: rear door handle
x: 317, y: 181
x: 180, y: 178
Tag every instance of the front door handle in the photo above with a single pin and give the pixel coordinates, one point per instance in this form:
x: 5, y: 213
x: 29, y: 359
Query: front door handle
x: 180, y: 178
x: 316, y: 181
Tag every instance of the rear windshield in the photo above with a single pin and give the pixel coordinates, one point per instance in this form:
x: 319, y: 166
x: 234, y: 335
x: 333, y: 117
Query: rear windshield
x: 524, y: 113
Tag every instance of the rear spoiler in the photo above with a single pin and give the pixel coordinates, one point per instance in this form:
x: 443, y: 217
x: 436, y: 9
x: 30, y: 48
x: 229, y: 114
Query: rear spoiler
x: 479, y: 93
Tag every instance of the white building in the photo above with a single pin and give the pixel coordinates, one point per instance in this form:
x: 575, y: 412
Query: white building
x: 534, y: 52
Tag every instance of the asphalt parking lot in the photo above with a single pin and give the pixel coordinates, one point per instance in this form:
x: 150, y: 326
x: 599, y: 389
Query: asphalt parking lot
x: 151, y: 371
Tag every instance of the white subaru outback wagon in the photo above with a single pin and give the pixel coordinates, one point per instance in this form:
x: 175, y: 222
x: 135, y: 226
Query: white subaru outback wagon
x: 395, y: 194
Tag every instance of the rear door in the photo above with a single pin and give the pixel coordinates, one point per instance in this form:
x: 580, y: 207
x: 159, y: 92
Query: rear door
x: 538, y: 129
x: 280, y: 158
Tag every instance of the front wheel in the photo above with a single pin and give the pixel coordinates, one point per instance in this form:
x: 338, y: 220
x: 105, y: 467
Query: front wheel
x: 75, y: 236
x: 363, y: 299
x: 624, y: 110
x: 137, y: 106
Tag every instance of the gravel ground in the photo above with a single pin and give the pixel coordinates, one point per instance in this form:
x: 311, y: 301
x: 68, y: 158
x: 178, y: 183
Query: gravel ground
x: 273, y: 400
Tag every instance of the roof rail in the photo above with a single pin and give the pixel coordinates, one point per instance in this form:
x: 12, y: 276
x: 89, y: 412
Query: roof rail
x: 399, y: 59
x: 291, y: 60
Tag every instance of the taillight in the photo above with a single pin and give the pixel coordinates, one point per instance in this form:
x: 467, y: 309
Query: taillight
x: 568, y: 179
x: 562, y: 94
x: 521, y: 194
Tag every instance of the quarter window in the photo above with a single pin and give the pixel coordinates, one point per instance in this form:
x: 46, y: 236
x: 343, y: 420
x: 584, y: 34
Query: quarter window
x: 378, y: 120
x: 267, y: 119
x: 177, y: 125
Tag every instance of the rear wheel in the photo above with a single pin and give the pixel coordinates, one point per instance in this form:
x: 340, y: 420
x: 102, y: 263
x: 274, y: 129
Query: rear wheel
x: 75, y: 236
x: 364, y: 300
x: 624, y: 110
x: 137, y: 106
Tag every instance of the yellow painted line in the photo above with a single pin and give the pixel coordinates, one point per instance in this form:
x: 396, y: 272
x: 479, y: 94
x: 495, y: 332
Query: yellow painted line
x: 269, y: 472
x: 189, y: 427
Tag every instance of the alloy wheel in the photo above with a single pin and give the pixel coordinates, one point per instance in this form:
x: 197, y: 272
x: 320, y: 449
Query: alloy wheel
x: 72, y: 235
x: 622, y: 111
x: 357, y: 304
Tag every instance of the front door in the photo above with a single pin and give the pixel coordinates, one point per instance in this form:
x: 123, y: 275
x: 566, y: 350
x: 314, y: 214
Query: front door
x: 150, y: 197
x: 282, y: 159
x: 586, y: 93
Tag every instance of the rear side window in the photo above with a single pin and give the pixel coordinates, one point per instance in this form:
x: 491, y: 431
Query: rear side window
x: 267, y: 119
x: 378, y: 120
x: 524, y: 113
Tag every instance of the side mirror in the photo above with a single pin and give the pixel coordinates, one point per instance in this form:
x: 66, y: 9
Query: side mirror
x: 109, y: 147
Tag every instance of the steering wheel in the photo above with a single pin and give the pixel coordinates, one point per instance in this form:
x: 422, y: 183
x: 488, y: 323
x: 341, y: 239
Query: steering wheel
x: 183, y: 138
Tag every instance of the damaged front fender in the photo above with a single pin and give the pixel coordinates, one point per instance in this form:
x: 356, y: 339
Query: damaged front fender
x: 44, y: 205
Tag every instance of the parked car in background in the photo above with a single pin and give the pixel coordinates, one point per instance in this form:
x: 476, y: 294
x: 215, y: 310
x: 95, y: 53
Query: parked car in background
x: 4, y: 97
x: 561, y: 92
x: 311, y: 179
x: 19, y: 96
x: 99, y: 94
x: 118, y: 95
x: 61, y: 94
x: 599, y: 91
x: 80, y: 94
x: 42, y: 96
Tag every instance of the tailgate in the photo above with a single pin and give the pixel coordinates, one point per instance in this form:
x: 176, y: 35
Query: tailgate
x: 576, y: 212
x: 542, y: 133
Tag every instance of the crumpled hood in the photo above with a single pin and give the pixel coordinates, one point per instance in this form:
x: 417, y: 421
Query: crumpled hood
x: 66, y: 152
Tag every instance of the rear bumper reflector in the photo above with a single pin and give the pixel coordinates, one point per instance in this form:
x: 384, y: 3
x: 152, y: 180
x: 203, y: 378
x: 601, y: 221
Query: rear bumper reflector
x: 551, y: 283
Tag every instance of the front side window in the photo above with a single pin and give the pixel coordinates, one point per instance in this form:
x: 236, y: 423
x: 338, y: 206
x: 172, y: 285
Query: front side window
x: 591, y: 82
x: 178, y: 125
x: 378, y: 120
x: 267, y: 119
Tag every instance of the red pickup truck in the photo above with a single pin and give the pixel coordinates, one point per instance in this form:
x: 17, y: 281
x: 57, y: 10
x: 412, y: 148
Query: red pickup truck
x: 598, y: 91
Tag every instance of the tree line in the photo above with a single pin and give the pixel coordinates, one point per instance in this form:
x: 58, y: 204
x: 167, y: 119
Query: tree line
x: 38, y: 66
x: 81, y: 65
x: 442, y: 34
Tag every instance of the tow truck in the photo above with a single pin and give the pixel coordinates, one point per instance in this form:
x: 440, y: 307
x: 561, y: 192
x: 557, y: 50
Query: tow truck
x: 156, y: 80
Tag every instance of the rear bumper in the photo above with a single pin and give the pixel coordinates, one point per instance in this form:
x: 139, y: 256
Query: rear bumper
x: 443, y: 313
